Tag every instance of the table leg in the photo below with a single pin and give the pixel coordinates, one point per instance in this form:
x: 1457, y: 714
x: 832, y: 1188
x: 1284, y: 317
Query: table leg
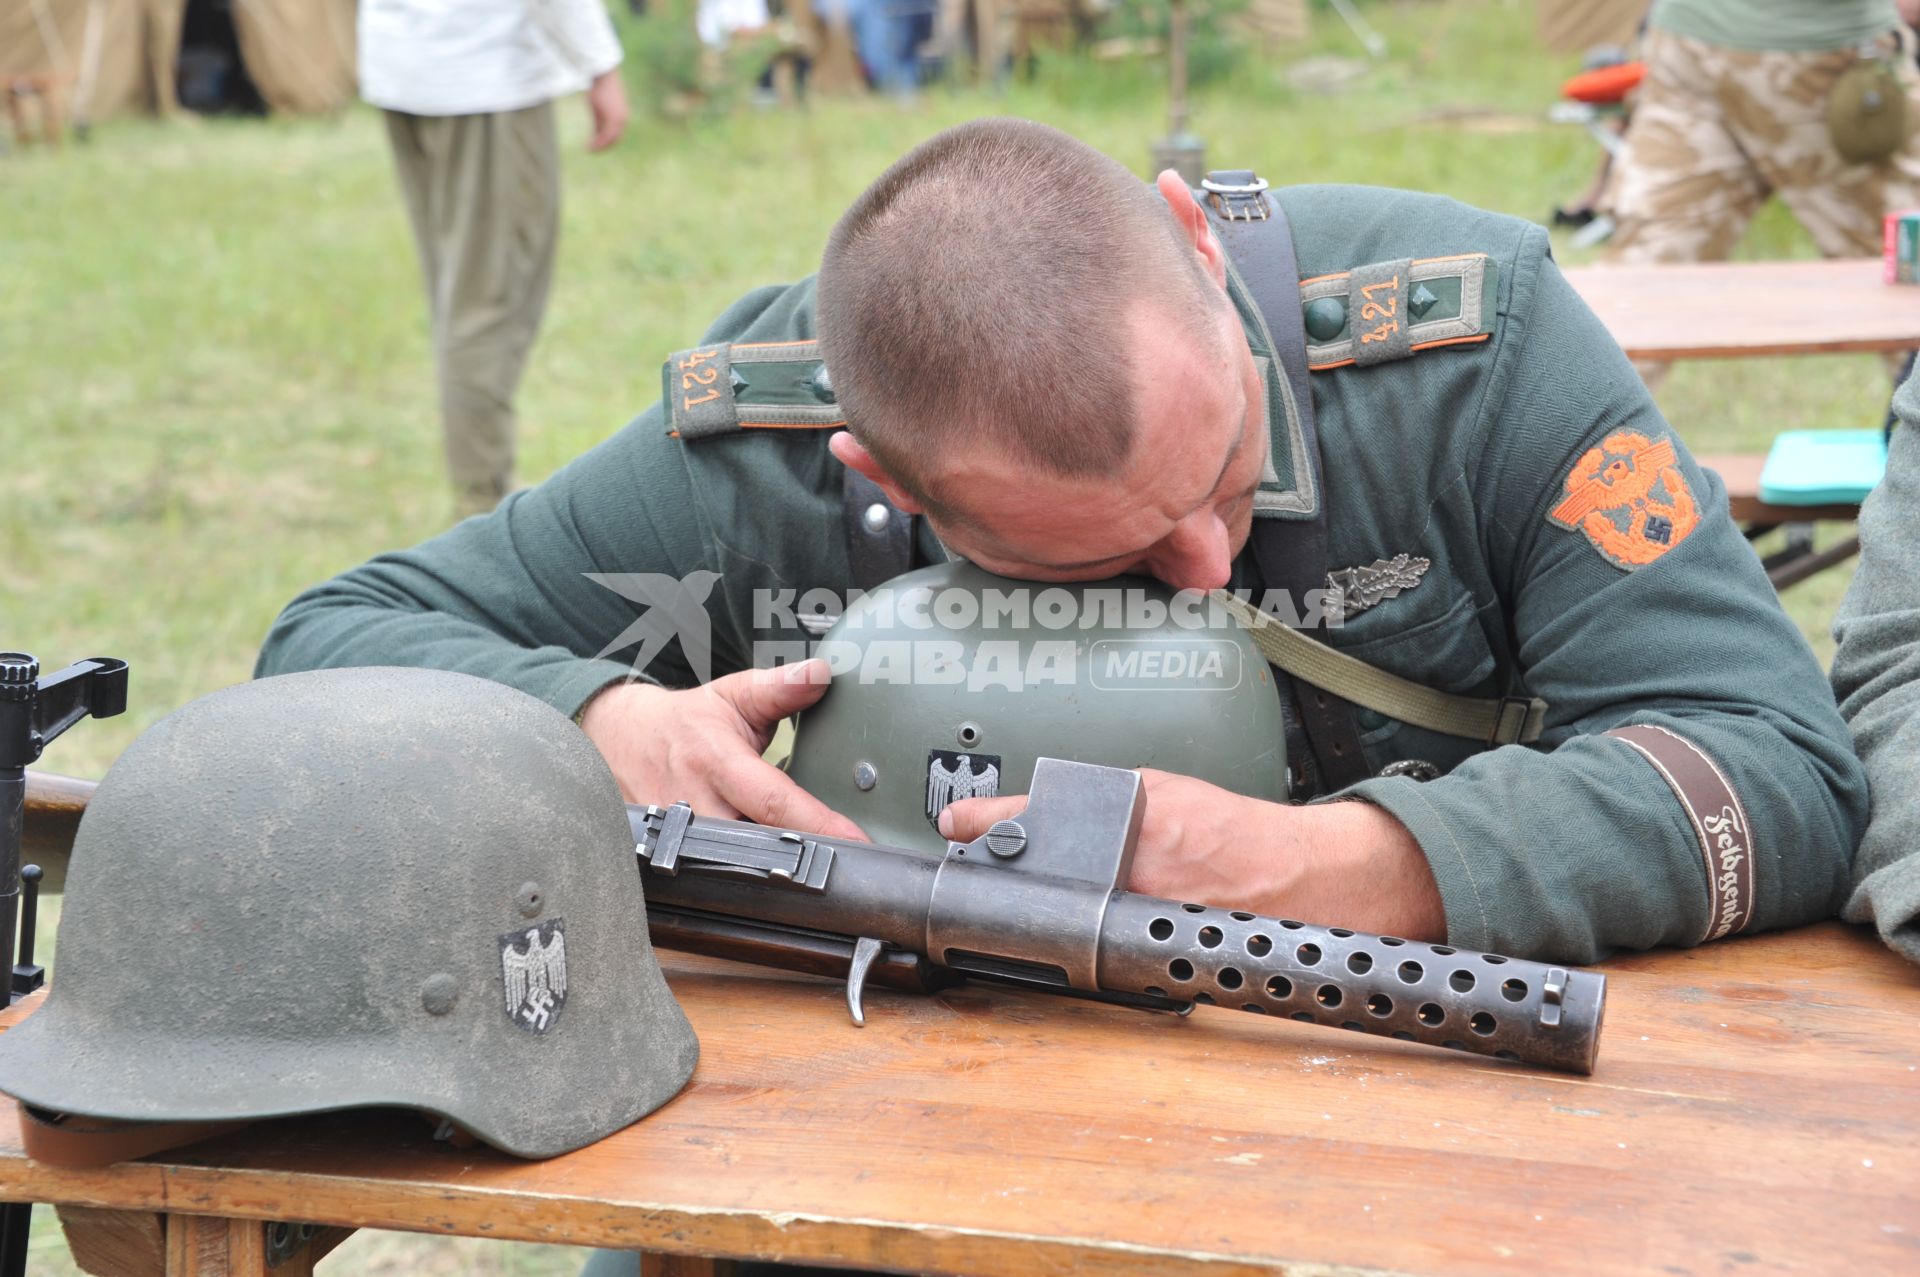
x: 109, y: 1243
x: 1800, y: 568
x: 208, y: 1246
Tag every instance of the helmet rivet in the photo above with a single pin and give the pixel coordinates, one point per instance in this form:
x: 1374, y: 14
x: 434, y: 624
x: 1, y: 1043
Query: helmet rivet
x: 527, y: 899
x: 876, y: 517
x: 1006, y: 839
x: 864, y: 777
x: 968, y: 734
x: 439, y: 993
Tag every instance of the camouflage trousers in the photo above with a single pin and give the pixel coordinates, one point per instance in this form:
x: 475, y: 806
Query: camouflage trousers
x: 1717, y: 131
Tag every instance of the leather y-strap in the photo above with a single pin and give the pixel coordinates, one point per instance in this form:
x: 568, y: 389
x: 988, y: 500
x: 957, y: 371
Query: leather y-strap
x: 1293, y: 554
x: 879, y: 533
x: 74, y: 1142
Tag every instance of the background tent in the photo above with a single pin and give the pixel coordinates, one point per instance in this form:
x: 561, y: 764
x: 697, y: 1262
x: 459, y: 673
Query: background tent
x: 120, y: 56
x: 1574, y: 26
x: 1272, y: 22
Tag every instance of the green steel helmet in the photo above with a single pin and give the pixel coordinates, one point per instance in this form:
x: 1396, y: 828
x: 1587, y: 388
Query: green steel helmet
x: 1867, y: 112
x: 359, y: 887
x: 950, y: 682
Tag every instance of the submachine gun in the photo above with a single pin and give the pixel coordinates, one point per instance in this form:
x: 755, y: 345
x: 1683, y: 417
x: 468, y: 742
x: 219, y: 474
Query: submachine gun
x: 34, y: 710
x: 1037, y: 901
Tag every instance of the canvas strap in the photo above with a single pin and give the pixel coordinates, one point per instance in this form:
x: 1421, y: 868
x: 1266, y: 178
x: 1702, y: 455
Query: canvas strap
x: 1507, y: 720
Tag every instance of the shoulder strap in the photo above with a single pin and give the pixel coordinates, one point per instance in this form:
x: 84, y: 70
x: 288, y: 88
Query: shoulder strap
x: 1506, y: 721
x: 1292, y: 553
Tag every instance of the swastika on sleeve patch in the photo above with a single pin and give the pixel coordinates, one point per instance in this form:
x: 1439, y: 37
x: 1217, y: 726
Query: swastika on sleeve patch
x: 1630, y: 498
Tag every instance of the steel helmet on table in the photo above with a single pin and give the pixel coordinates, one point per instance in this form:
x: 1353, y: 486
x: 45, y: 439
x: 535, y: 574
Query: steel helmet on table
x: 349, y: 888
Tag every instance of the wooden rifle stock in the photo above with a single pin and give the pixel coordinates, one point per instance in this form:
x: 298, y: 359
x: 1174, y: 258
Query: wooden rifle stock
x: 787, y: 949
x: 54, y: 807
x: 56, y: 803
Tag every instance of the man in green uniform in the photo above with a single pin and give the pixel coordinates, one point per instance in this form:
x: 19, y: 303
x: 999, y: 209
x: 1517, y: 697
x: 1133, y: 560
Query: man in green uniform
x: 1060, y: 374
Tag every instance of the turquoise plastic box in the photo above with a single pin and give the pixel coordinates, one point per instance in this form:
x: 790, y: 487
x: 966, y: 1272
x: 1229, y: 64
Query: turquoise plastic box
x: 1823, y: 467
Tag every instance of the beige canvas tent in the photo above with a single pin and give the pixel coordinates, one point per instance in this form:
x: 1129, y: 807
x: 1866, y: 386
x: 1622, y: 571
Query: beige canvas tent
x: 1272, y: 22
x: 112, y: 57
x: 1574, y: 26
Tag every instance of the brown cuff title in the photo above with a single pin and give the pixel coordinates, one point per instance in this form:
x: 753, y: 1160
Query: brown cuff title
x: 1719, y: 823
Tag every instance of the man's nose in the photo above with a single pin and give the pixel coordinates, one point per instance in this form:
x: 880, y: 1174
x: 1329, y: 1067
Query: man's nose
x: 1196, y: 555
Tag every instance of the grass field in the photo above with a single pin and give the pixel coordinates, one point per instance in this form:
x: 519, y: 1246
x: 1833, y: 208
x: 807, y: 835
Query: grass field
x: 215, y: 385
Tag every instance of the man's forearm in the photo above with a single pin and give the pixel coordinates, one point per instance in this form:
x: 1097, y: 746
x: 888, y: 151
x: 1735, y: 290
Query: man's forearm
x: 1360, y: 868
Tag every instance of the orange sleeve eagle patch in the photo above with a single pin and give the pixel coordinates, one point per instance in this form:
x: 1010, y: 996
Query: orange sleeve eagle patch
x: 1630, y: 499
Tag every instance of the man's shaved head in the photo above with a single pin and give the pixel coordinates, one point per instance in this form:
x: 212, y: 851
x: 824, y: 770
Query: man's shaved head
x: 980, y: 294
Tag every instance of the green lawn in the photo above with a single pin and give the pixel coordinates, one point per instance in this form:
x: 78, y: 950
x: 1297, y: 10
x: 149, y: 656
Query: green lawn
x: 215, y: 387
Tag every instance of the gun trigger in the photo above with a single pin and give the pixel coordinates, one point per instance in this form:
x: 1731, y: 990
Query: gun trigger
x: 865, y: 950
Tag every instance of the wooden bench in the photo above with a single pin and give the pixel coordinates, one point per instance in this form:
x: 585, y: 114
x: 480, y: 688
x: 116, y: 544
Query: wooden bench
x: 1797, y: 560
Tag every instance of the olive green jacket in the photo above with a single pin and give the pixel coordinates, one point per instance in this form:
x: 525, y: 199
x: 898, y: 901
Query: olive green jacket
x: 1876, y: 674
x: 1786, y: 26
x: 1742, y: 814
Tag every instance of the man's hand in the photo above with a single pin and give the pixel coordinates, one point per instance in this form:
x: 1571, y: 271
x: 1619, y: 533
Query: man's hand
x: 607, y: 99
x: 1334, y: 864
x: 702, y: 746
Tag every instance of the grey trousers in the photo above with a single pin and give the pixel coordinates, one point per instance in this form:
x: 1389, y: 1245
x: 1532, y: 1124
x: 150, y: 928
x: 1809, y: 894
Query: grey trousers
x: 483, y: 193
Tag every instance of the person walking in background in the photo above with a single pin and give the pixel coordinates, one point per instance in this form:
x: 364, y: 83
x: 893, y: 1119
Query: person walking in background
x: 1748, y: 98
x: 467, y: 87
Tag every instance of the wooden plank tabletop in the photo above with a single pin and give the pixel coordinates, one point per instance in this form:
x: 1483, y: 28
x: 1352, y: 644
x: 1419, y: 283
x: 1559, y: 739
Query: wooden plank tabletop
x: 1712, y: 310
x: 1756, y: 1109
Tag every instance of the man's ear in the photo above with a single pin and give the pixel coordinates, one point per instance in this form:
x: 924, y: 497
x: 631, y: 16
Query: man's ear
x: 850, y: 452
x: 1192, y: 220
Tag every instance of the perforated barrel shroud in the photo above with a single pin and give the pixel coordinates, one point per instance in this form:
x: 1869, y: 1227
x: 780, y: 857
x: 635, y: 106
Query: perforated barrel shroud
x: 1510, y: 1008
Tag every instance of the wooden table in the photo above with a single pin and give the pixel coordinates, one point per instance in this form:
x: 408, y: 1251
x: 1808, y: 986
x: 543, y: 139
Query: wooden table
x: 1756, y: 1109
x: 1724, y: 310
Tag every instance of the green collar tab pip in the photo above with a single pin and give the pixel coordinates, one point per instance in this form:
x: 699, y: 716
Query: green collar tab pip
x: 1393, y: 310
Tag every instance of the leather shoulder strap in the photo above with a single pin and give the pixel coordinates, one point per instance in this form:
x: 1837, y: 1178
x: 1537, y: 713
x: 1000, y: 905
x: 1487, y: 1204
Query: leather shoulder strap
x: 1292, y: 553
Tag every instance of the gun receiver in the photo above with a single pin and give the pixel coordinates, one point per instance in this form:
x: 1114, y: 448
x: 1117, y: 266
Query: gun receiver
x: 1039, y: 901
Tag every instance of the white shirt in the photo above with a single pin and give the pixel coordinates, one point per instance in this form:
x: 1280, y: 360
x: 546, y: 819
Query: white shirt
x: 467, y: 57
x: 717, y: 20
